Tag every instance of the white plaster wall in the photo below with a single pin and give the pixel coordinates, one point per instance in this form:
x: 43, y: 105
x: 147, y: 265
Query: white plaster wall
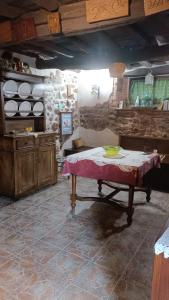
x: 85, y: 98
x: 89, y: 78
x: 98, y: 138
x: 75, y: 135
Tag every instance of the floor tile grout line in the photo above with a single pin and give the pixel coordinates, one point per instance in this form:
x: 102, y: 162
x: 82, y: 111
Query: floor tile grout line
x: 130, y: 261
x: 80, y: 288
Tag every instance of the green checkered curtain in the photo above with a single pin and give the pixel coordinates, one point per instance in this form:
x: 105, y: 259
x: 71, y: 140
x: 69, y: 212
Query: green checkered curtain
x: 158, y: 92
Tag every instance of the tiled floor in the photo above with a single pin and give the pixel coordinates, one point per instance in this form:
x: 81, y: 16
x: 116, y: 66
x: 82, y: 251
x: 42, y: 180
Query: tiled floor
x: 46, y: 255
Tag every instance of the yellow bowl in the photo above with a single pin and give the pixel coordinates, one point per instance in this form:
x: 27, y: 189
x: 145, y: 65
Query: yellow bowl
x: 111, y: 150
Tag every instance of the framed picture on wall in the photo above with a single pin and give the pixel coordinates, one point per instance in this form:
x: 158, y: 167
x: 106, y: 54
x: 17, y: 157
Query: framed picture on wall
x: 66, y: 123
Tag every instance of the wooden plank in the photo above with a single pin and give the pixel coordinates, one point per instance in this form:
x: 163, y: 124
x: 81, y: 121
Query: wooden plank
x: 160, y: 286
x: 40, y: 16
x: 153, y: 6
x: 42, y: 30
x: 73, y: 18
x: 99, y: 10
x: 50, y: 5
x: 54, y: 22
x: 10, y: 11
x: 24, y: 29
x: 5, y: 32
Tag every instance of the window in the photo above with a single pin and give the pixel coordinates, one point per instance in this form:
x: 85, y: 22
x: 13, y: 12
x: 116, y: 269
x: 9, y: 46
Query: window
x: 157, y: 93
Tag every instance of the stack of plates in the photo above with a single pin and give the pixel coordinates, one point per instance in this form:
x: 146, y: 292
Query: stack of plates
x: 11, y: 108
x: 38, y: 109
x: 25, y: 108
x: 24, y: 90
x: 10, y: 88
x: 37, y: 91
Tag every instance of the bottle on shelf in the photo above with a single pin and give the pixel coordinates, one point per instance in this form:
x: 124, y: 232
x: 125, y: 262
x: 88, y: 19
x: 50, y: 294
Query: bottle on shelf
x: 137, y: 102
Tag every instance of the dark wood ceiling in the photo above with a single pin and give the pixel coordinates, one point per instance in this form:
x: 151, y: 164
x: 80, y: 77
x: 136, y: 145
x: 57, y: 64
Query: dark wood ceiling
x: 146, y: 39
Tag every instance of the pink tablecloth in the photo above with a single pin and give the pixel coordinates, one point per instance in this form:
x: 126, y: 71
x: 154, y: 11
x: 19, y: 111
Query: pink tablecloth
x: 129, y: 168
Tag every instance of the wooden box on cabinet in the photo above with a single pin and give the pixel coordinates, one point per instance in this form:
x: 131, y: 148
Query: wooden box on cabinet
x: 27, y: 163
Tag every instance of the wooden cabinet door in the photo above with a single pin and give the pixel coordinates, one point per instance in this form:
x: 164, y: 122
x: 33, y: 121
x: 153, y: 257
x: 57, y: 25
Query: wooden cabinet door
x: 47, y: 165
x: 25, y: 171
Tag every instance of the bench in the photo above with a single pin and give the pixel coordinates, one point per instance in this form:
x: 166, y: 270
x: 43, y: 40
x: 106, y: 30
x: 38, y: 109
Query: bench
x: 156, y: 178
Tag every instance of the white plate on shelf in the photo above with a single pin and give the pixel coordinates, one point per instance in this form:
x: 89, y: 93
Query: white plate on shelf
x: 10, y: 88
x: 25, y: 108
x: 24, y: 90
x: 11, y: 108
x: 38, y: 109
x: 37, y: 91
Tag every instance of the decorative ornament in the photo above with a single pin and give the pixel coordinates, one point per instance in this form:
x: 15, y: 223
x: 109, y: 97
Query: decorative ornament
x: 117, y: 69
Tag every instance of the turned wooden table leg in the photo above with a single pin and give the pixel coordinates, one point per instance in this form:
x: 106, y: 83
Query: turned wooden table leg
x: 130, y: 210
x: 99, y: 182
x: 148, y: 194
x: 73, y: 195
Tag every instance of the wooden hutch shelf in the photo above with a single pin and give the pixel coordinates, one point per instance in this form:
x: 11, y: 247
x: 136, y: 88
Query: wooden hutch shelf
x: 27, y: 160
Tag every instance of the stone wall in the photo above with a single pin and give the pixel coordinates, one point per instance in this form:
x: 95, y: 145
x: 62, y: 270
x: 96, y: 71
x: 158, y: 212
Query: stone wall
x: 60, y: 92
x: 139, y: 122
x: 60, y: 96
x: 120, y: 92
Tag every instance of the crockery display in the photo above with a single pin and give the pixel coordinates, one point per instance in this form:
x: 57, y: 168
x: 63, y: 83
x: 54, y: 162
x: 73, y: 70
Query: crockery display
x: 10, y: 88
x: 38, y: 109
x: 37, y: 92
x: 24, y: 90
x: 10, y: 108
x: 25, y: 108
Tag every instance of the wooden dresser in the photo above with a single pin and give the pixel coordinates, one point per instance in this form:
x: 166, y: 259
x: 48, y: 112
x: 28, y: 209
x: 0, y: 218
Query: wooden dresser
x: 27, y: 159
x: 27, y: 163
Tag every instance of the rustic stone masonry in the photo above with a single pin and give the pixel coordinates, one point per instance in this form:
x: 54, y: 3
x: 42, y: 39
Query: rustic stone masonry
x: 59, y: 99
x: 139, y: 122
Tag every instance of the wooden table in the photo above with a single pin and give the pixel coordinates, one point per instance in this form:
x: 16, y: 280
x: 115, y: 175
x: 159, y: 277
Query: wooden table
x: 128, y: 169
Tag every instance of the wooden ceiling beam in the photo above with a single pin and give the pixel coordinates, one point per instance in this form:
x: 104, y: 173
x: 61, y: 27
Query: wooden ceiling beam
x: 106, y: 43
x: 32, y: 50
x: 56, y: 47
x: 148, y: 53
x: 50, y: 5
x: 10, y: 11
x: 73, y: 17
x: 46, y: 46
x: 140, y: 33
x: 89, y: 62
x: 81, y: 45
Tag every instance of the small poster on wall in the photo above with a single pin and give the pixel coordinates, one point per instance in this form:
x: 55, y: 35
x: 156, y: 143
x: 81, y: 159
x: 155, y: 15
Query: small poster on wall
x: 66, y: 123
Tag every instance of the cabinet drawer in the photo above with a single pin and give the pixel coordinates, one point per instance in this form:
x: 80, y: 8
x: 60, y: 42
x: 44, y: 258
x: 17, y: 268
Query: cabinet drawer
x: 24, y: 143
x: 46, y: 140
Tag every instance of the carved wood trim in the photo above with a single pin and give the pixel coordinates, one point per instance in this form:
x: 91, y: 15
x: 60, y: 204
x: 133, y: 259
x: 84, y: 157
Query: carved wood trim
x: 99, y: 10
x: 152, y: 6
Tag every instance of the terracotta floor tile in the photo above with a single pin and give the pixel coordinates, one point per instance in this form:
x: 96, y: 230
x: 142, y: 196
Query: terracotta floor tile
x: 85, y: 246
x: 120, y: 249
x: 40, y: 252
x: 75, y: 293
x: 66, y: 263
x: 102, y: 258
x: 35, y: 231
x: 18, y: 221
x: 14, y: 244
x: 6, y: 295
x: 60, y: 237
x: 16, y: 276
x: 133, y: 290
x: 95, y: 280
x: 4, y: 257
x: 43, y: 290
